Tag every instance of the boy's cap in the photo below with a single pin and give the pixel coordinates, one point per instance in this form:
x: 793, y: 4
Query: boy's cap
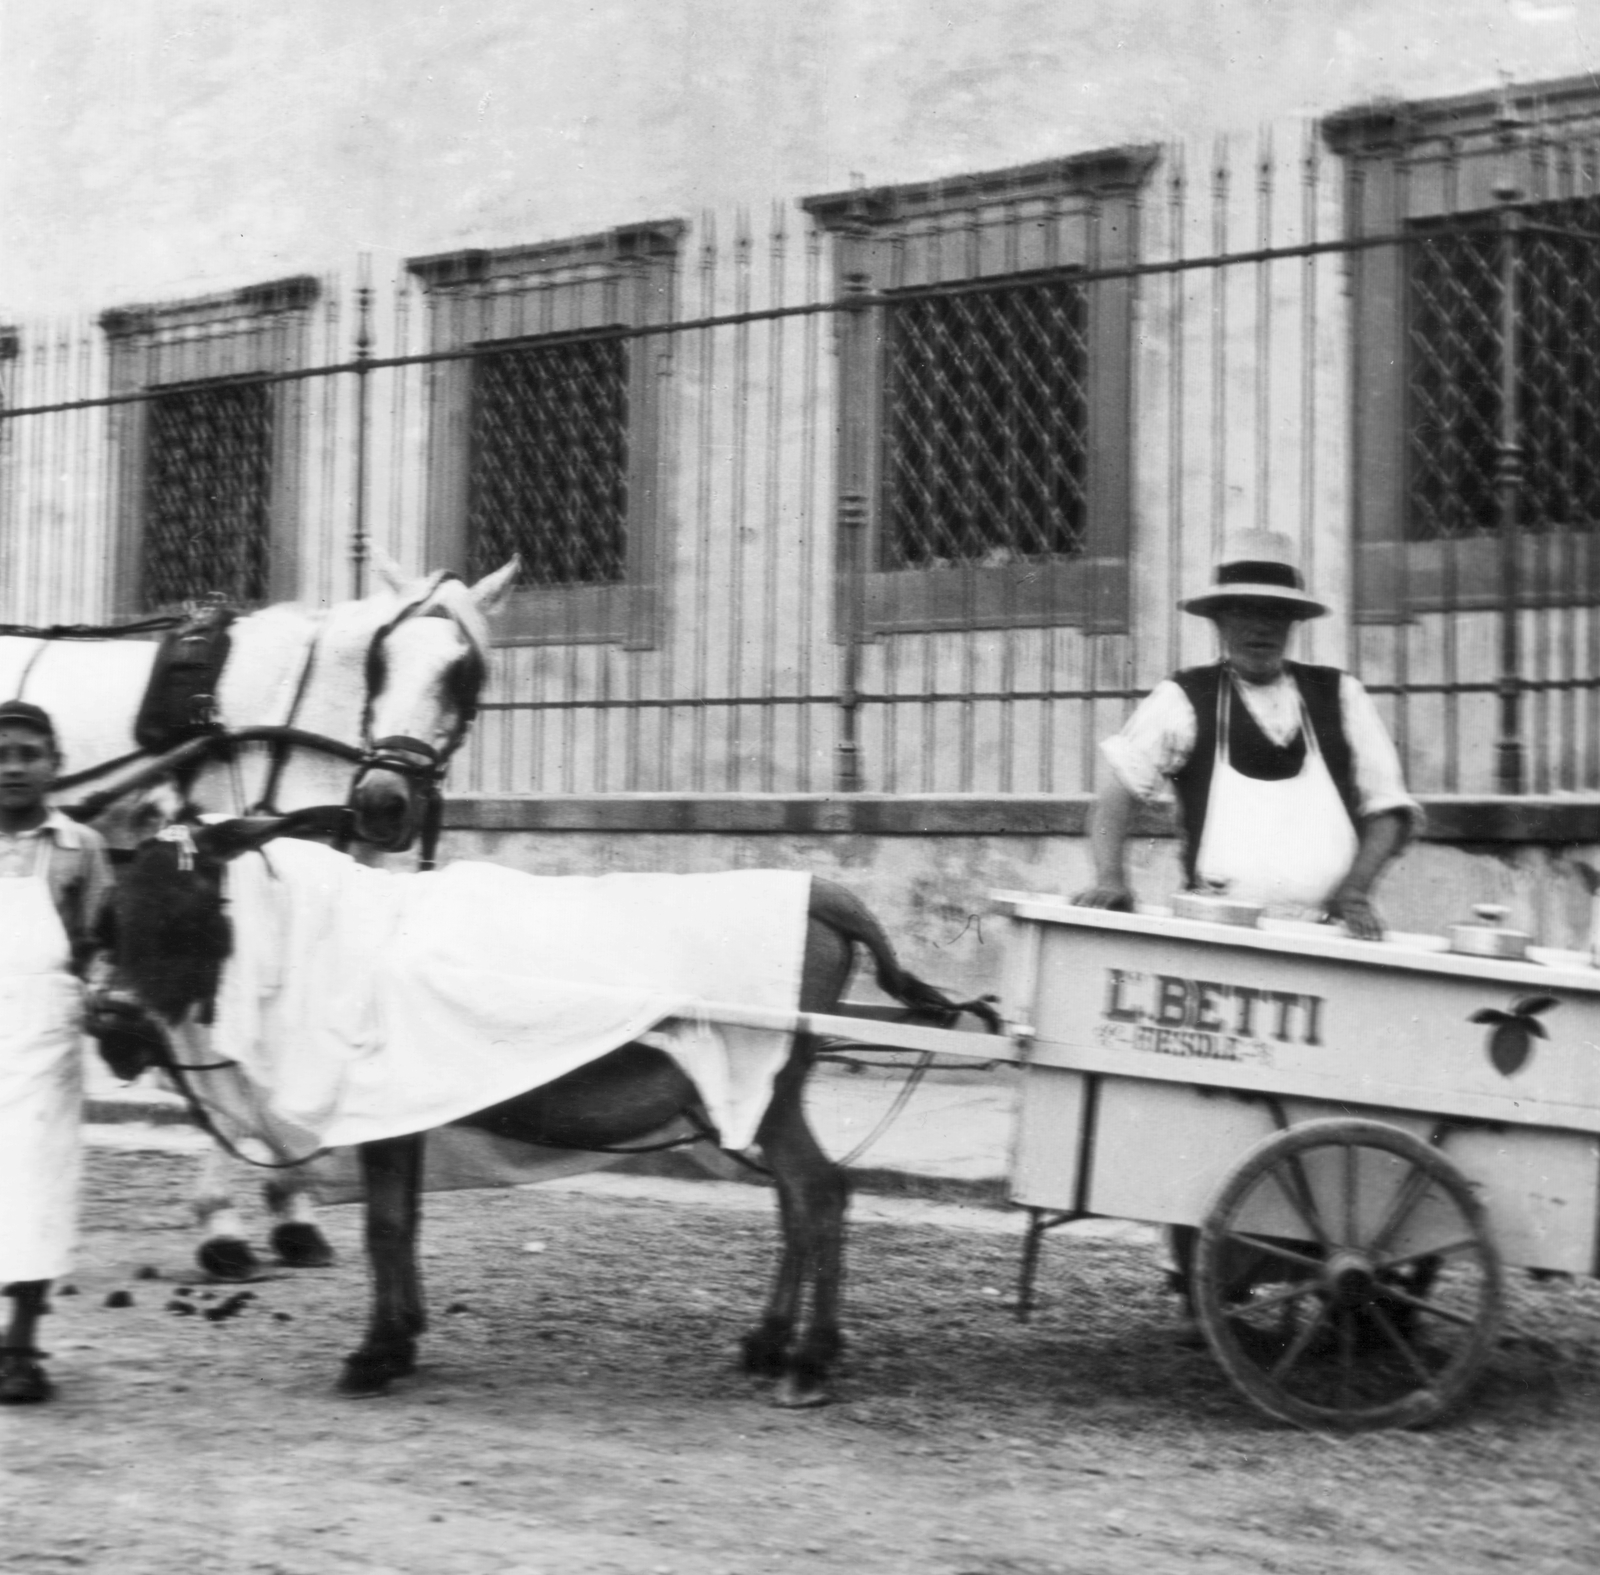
x: 24, y: 713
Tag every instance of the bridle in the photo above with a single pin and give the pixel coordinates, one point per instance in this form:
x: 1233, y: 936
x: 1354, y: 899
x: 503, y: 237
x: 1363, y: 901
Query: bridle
x: 421, y: 763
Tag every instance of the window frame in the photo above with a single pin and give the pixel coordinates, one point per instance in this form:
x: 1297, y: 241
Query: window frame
x: 1410, y: 165
x: 1063, y: 217
x: 182, y: 346
x: 512, y: 298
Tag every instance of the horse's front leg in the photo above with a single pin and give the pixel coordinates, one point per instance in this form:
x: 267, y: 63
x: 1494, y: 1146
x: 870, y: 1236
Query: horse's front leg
x: 812, y: 1195
x: 224, y: 1253
x: 393, y: 1173
x: 296, y: 1238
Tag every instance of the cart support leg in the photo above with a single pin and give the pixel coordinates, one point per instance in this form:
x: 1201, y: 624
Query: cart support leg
x: 1030, y: 1263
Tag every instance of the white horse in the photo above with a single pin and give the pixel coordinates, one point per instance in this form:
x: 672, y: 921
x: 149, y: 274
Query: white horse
x: 368, y: 700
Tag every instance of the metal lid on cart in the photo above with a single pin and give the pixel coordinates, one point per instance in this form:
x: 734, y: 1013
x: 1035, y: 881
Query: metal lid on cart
x: 1487, y: 935
x: 1216, y: 908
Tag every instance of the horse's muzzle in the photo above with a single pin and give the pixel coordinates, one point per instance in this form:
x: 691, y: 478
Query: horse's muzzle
x: 385, y: 808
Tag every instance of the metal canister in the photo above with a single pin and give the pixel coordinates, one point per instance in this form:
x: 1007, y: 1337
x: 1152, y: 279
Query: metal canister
x: 1214, y: 908
x: 1487, y: 934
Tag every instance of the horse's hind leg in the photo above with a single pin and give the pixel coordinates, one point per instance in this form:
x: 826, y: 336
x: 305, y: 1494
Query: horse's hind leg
x: 811, y: 1198
x: 297, y: 1239
x: 393, y: 1173
x: 766, y: 1347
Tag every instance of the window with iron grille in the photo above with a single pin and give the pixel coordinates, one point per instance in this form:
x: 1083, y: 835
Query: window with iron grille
x: 208, y: 485
x: 1456, y: 355
x: 1478, y: 269
x: 549, y: 467
x: 208, y: 455
x: 546, y: 426
x: 985, y: 390
x: 985, y: 448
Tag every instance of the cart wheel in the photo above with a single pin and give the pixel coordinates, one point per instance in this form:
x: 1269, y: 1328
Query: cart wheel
x: 1346, y: 1278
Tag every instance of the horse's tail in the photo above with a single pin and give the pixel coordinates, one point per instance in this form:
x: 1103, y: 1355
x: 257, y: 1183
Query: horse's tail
x: 844, y: 913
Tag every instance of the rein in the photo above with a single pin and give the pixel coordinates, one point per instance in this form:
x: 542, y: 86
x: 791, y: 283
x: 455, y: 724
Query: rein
x: 281, y: 750
x: 169, y: 1063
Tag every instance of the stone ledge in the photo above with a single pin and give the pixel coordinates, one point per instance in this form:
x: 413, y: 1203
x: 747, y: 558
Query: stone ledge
x: 1451, y: 818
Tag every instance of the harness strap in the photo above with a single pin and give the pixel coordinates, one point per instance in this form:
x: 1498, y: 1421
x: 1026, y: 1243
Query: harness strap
x: 28, y: 667
x: 282, y: 749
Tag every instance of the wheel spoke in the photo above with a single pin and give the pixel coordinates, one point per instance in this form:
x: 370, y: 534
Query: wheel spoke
x: 1278, y: 1298
x: 1423, y: 1305
x: 1299, y: 1198
x: 1448, y: 1250
x: 1350, y: 1194
x: 1285, y: 1363
x: 1264, y: 1244
x: 1347, y: 1356
x: 1398, y: 1341
x: 1405, y: 1204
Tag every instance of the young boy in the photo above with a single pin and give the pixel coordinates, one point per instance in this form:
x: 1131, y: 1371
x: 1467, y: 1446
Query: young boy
x: 55, y: 881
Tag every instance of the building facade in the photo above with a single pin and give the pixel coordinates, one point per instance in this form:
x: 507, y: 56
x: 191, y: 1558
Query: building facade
x: 857, y: 509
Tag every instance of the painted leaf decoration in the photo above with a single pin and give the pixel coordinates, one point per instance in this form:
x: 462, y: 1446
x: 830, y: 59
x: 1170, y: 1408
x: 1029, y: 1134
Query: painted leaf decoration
x: 1490, y: 1015
x: 1509, y: 1047
x: 1529, y: 1004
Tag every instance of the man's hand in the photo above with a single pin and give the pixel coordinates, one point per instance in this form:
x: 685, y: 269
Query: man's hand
x: 1355, y: 911
x: 1117, y: 898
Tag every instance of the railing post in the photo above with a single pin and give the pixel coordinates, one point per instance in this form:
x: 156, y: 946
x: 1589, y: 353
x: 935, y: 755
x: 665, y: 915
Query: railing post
x: 358, y: 531
x: 1508, y: 474
x: 856, y: 378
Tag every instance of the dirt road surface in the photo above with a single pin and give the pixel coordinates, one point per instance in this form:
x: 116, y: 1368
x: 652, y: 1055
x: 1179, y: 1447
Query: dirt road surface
x: 578, y: 1411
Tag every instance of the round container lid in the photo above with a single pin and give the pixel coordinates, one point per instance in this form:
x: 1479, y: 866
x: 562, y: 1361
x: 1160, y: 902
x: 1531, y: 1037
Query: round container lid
x: 1487, y: 936
x: 1213, y: 909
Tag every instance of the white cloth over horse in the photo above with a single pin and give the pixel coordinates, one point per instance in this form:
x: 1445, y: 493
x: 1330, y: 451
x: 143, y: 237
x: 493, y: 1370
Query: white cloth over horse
x: 40, y: 1081
x: 361, y: 1004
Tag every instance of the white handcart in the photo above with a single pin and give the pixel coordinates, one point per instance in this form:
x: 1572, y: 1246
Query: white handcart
x: 1362, y: 1134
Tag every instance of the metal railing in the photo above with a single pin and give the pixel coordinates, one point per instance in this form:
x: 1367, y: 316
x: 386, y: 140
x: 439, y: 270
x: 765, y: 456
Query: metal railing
x: 718, y: 623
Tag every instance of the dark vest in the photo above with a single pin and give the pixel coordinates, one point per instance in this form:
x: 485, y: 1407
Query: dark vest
x: 1250, y: 752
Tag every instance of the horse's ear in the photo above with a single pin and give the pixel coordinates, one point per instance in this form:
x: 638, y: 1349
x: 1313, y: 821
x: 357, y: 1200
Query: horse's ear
x: 388, y: 570
x: 491, y: 591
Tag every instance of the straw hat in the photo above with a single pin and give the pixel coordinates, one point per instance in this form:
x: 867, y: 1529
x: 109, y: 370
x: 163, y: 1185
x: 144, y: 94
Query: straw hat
x: 1259, y: 566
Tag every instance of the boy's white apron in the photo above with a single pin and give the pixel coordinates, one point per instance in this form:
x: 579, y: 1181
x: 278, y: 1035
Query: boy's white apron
x: 41, y: 1073
x: 1286, y: 844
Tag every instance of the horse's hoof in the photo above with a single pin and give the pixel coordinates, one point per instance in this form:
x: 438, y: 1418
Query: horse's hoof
x: 795, y: 1394
x: 370, y: 1373
x: 22, y: 1380
x: 298, y: 1245
x: 765, y: 1353
x: 228, y: 1258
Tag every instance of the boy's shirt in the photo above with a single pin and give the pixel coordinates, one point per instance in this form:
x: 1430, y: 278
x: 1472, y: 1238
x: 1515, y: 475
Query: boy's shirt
x: 79, y: 878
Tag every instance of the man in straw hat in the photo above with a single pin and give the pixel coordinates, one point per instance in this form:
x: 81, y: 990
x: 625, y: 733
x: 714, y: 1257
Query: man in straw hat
x: 1288, y: 786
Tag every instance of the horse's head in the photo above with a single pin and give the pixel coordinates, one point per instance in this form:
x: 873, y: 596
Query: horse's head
x: 425, y: 672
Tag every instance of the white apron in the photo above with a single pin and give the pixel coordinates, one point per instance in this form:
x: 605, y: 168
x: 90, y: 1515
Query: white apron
x: 41, y: 1076
x: 1287, y: 844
